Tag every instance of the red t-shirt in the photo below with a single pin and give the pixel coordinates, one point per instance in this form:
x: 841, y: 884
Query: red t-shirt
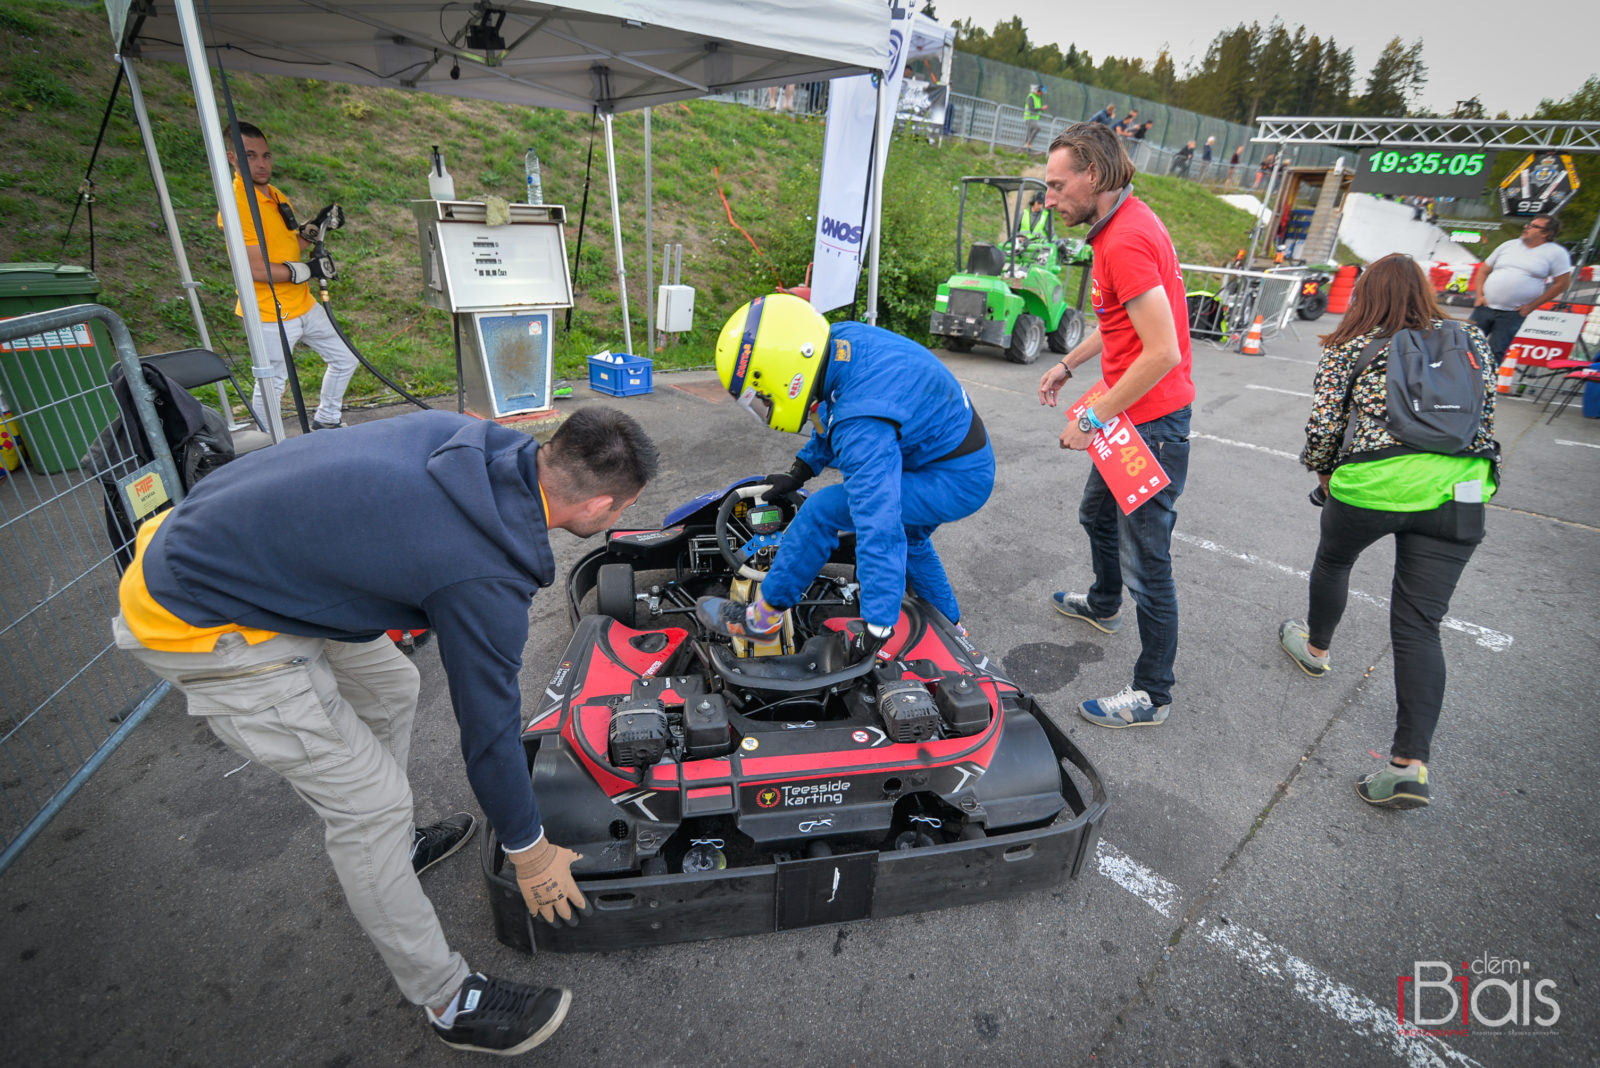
x: 1134, y: 255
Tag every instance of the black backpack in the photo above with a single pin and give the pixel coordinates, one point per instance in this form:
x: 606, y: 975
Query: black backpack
x: 1435, y: 387
x: 197, y: 435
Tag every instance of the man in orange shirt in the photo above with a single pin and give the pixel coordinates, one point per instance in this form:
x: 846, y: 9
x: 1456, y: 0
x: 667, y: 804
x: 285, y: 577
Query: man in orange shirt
x: 288, y: 298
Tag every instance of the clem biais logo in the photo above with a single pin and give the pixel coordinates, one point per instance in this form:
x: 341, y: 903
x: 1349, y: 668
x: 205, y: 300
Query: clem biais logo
x: 1486, y: 995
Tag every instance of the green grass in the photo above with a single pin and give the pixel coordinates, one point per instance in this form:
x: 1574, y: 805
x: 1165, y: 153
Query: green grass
x: 368, y: 149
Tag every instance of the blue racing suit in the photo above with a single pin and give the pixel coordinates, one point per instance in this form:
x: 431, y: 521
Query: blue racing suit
x: 890, y: 417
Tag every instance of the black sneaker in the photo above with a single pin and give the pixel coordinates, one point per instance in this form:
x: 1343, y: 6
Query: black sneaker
x: 499, y: 1016
x: 430, y: 845
x: 318, y: 424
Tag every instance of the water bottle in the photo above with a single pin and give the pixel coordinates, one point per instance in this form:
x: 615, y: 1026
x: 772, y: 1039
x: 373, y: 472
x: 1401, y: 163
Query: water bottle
x: 440, y: 185
x: 535, y: 185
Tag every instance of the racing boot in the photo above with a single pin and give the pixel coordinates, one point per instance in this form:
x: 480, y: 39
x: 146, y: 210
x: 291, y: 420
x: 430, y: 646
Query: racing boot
x: 736, y: 619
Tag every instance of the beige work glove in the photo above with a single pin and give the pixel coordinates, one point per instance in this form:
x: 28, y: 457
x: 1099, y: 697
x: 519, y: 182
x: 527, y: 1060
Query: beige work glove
x: 544, y: 874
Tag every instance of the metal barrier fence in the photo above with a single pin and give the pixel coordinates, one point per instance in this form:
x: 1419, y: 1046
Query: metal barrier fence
x: 1224, y: 301
x: 67, y: 698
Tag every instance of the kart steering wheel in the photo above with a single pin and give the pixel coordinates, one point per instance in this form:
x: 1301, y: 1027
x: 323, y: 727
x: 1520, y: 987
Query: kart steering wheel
x: 739, y: 556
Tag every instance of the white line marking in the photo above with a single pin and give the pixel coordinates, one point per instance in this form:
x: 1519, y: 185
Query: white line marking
x: 1137, y: 879
x: 1275, y: 389
x: 1490, y: 639
x: 1274, y: 962
x: 1585, y: 444
x: 1333, y: 997
x: 1244, y: 445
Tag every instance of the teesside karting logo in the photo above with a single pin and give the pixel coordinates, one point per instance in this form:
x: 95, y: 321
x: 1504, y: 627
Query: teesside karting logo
x: 1502, y: 996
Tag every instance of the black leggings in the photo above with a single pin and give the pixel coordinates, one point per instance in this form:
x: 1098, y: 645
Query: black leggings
x: 1431, y: 549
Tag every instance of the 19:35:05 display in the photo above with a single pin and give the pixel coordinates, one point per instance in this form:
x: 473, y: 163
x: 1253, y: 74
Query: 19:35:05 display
x: 1465, y: 163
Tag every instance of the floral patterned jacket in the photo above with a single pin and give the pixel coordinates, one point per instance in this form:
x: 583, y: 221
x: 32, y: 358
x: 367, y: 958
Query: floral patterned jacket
x: 1326, y: 428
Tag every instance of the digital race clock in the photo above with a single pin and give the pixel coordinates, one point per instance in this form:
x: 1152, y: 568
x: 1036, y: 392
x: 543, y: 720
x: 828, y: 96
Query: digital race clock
x: 1436, y: 172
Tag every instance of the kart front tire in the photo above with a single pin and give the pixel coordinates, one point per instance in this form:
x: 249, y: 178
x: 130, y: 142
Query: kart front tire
x: 613, y: 592
x: 1068, y: 332
x: 1027, y: 338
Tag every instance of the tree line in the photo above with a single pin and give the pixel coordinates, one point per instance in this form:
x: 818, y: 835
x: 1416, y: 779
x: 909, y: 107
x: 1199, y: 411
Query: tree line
x: 1246, y: 72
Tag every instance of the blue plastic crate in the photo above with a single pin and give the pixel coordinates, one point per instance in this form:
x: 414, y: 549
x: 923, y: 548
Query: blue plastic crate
x: 620, y: 374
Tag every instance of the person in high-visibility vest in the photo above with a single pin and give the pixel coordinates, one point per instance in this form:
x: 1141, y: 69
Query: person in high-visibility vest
x: 1033, y: 115
x: 1036, y: 223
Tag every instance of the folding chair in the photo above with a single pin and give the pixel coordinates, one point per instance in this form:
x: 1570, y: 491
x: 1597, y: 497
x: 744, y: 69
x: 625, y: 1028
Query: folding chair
x: 1572, y: 385
x: 193, y: 368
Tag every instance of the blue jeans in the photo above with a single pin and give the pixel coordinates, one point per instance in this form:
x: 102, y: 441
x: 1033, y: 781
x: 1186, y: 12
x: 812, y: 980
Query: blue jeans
x: 1500, y: 327
x: 1137, y: 550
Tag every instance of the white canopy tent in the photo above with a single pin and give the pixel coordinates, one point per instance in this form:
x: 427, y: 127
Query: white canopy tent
x: 609, y: 55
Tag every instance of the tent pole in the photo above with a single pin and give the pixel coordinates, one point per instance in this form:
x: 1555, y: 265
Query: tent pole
x: 194, y: 52
x: 875, y: 204
x: 616, y: 232
x: 649, y: 247
x: 190, y: 287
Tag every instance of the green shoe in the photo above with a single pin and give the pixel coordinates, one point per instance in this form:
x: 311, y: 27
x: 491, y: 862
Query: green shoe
x: 1394, y: 787
x: 1295, y: 640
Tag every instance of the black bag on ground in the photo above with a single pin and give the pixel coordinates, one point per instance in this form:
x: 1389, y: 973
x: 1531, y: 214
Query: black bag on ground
x: 1434, y: 400
x: 196, y: 434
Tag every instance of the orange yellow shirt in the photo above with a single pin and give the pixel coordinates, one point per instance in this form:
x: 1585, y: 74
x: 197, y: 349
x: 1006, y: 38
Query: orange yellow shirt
x: 283, y: 245
x: 153, y: 625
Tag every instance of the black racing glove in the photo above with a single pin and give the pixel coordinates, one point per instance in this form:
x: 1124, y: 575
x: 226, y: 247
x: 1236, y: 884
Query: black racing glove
x: 784, y: 485
x: 317, y: 267
x: 329, y: 218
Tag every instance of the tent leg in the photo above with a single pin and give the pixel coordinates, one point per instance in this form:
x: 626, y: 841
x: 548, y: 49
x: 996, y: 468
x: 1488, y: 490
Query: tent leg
x: 158, y: 175
x: 616, y: 233
x: 195, y: 53
x: 649, y: 247
x: 875, y: 205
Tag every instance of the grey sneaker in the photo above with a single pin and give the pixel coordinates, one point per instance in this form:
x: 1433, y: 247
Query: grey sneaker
x: 1394, y: 787
x: 1130, y: 708
x: 1076, y: 605
x: 1292, y: 635
x: 318, y: 424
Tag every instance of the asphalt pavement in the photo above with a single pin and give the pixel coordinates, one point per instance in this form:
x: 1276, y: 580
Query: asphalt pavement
x: 1243, y: 906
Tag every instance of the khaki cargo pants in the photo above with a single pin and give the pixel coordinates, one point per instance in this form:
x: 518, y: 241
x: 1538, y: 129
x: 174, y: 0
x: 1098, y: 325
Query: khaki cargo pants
x: 334, y: 719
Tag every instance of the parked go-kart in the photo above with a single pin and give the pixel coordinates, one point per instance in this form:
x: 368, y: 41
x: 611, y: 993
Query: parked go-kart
x: 720, y: 787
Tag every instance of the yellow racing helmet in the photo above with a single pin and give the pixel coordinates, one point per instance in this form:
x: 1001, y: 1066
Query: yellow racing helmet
x: 770, y: 356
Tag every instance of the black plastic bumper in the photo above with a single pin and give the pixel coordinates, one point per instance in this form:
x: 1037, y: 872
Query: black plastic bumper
x: 661, y: 909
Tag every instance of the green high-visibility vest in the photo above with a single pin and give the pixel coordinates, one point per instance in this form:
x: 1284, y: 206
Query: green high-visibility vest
x: 1035, y: 228
x: 1035, y: 109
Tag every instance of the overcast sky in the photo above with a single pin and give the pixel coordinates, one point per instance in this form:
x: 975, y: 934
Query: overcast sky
x: 1550, y: 56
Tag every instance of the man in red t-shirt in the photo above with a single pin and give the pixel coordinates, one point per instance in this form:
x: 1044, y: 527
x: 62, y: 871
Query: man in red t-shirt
x: 1143, y: 345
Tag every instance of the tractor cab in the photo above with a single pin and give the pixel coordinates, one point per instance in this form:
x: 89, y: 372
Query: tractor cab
x: 1011, y: 291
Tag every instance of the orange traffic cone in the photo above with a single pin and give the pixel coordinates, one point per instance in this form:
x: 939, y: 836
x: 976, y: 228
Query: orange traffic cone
x: 1252, y: 340
x: 1508, y: 372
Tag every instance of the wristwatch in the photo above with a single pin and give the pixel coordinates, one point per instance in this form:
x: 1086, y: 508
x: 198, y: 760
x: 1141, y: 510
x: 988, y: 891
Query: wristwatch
x: 1084, y: 424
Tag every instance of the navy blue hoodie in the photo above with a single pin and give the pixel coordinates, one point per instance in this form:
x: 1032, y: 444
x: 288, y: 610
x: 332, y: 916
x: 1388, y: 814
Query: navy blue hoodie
x: 425, y: 520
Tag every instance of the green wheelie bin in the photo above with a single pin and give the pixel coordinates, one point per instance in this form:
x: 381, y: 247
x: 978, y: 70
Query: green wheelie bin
x: 55, y: 382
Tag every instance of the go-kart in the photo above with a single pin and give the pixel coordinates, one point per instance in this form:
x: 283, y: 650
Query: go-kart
x: 719, y: 786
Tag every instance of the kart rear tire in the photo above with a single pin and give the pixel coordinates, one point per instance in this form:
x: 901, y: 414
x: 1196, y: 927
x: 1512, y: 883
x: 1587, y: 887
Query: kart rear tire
x: 613, y: 592
x: 1027, y: 338
x: 958, y: 344
x: 1068, y: 332
x: 1312, y: 307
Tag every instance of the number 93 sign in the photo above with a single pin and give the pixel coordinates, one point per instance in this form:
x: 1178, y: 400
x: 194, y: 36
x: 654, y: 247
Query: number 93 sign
x: 1122, y: 457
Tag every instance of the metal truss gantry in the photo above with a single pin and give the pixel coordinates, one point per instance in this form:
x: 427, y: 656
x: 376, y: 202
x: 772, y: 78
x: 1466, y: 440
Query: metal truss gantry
x: 1530, y: 135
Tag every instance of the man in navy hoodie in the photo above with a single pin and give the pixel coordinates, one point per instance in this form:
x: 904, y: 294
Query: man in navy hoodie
x: 274, y: 631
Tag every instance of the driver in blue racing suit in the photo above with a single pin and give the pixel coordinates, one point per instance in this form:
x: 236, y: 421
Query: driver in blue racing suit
x: 892, y: 419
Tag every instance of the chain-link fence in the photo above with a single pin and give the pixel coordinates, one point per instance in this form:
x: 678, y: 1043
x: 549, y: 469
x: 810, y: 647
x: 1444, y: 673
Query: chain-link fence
x: 68, y: 697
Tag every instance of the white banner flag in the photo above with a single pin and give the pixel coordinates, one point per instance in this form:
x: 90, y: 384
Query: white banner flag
x: 842, y: 223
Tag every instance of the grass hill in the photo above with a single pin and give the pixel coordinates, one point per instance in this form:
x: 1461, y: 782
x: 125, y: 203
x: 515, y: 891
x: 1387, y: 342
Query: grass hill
x: 368, y: 149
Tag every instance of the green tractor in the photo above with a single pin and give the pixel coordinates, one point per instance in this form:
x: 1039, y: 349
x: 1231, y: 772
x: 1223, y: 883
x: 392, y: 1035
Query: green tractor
x: 1013, y: 295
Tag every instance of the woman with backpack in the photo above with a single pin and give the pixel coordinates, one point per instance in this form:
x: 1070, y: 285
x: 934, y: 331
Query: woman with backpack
x: 1386, y: 466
